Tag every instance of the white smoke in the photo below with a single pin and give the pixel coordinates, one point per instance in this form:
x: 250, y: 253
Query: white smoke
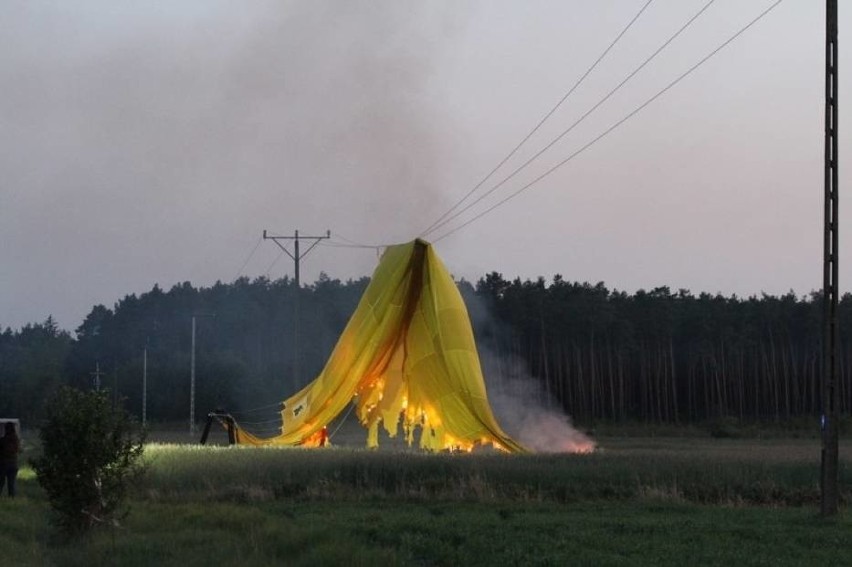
x: 526, y: 411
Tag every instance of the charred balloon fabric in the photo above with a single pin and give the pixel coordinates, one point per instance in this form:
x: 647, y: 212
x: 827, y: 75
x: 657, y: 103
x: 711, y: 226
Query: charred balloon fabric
x: 407, y: 357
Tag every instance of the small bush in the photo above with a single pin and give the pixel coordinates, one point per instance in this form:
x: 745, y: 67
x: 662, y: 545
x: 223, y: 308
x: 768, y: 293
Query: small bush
x: 90, y: 457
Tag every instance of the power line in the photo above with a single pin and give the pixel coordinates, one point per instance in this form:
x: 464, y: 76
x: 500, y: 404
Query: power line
x: 275, y: 261
x: 275, y: 420
x: 345, y: 245
x: 248, y: 259
x: 600, y: 58
x: 342, y: 421
x: 617, y: 124
x: 350, y: 241
x: 259, y: 408
x: 350, y: 244
x: 579, y: 120
x: 377, y: 248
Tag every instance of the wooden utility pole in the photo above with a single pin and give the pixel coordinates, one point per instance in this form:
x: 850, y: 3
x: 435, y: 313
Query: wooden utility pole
x: 296, y: 256
x: 830, y: 342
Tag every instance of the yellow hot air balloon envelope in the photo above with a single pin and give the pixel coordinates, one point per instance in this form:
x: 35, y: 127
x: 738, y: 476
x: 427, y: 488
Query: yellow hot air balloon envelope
x: 407, y: 356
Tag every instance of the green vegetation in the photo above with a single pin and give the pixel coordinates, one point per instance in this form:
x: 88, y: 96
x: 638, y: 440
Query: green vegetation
x: 214, y: 533
x: 638, y: 501
x: 658, y: 356
x: 90, y: 456
x: 705, y: 408
x: 726, y: 472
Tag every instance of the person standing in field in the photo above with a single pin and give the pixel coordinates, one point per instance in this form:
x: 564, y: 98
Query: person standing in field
x: 10, y: 446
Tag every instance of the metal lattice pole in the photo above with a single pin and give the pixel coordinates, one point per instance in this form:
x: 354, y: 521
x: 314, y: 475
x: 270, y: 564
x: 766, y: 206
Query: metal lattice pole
x: 831, y: 360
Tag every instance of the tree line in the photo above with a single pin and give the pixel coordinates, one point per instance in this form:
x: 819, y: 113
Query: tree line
x: 663, y: 356
x: 600, y: 354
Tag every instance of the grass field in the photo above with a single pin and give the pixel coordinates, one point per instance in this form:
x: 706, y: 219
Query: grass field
x: 637, y: 501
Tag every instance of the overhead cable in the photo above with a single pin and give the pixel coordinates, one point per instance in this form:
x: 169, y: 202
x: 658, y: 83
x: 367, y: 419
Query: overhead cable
x: 535, y: 129
x: 250, y: 256
x: 258, y: 408
x: 617, y: 124
x: 578, y: 121
x: 275, y: 261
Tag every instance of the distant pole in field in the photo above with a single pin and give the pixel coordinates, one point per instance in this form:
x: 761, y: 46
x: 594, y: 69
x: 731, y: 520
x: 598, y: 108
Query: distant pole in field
x: 192, y: 383
x: 96, y: 377
x: 192, y: 374
x: 831, y: 361
x: 296, y: 256
x: 144, y: 385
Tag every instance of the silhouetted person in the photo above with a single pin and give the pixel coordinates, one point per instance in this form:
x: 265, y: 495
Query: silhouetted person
x: 10, y: 446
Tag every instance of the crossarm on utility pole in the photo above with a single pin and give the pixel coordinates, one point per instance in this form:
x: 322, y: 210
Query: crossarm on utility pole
x: 296, y: 256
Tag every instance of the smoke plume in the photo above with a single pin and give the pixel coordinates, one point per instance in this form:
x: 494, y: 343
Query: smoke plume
x: 526, y: 411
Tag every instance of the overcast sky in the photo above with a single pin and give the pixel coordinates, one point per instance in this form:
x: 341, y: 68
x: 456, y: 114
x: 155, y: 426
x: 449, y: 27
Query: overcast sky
x: 153, y: 142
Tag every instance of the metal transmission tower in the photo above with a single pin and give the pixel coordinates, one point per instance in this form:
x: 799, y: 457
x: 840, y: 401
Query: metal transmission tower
x: 96, y: 377
x: 296, y: 257
x: 830, y: 337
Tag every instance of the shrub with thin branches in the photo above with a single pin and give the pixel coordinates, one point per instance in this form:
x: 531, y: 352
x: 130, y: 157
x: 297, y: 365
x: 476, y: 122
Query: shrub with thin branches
x: 91, y: 455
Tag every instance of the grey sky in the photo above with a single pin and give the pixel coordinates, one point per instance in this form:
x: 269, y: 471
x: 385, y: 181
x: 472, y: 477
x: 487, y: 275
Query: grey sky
x: 152, y: 142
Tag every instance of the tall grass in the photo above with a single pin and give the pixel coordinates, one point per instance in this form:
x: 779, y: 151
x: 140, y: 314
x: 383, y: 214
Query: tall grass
x: 633, y: 502
x: 701, y: 471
